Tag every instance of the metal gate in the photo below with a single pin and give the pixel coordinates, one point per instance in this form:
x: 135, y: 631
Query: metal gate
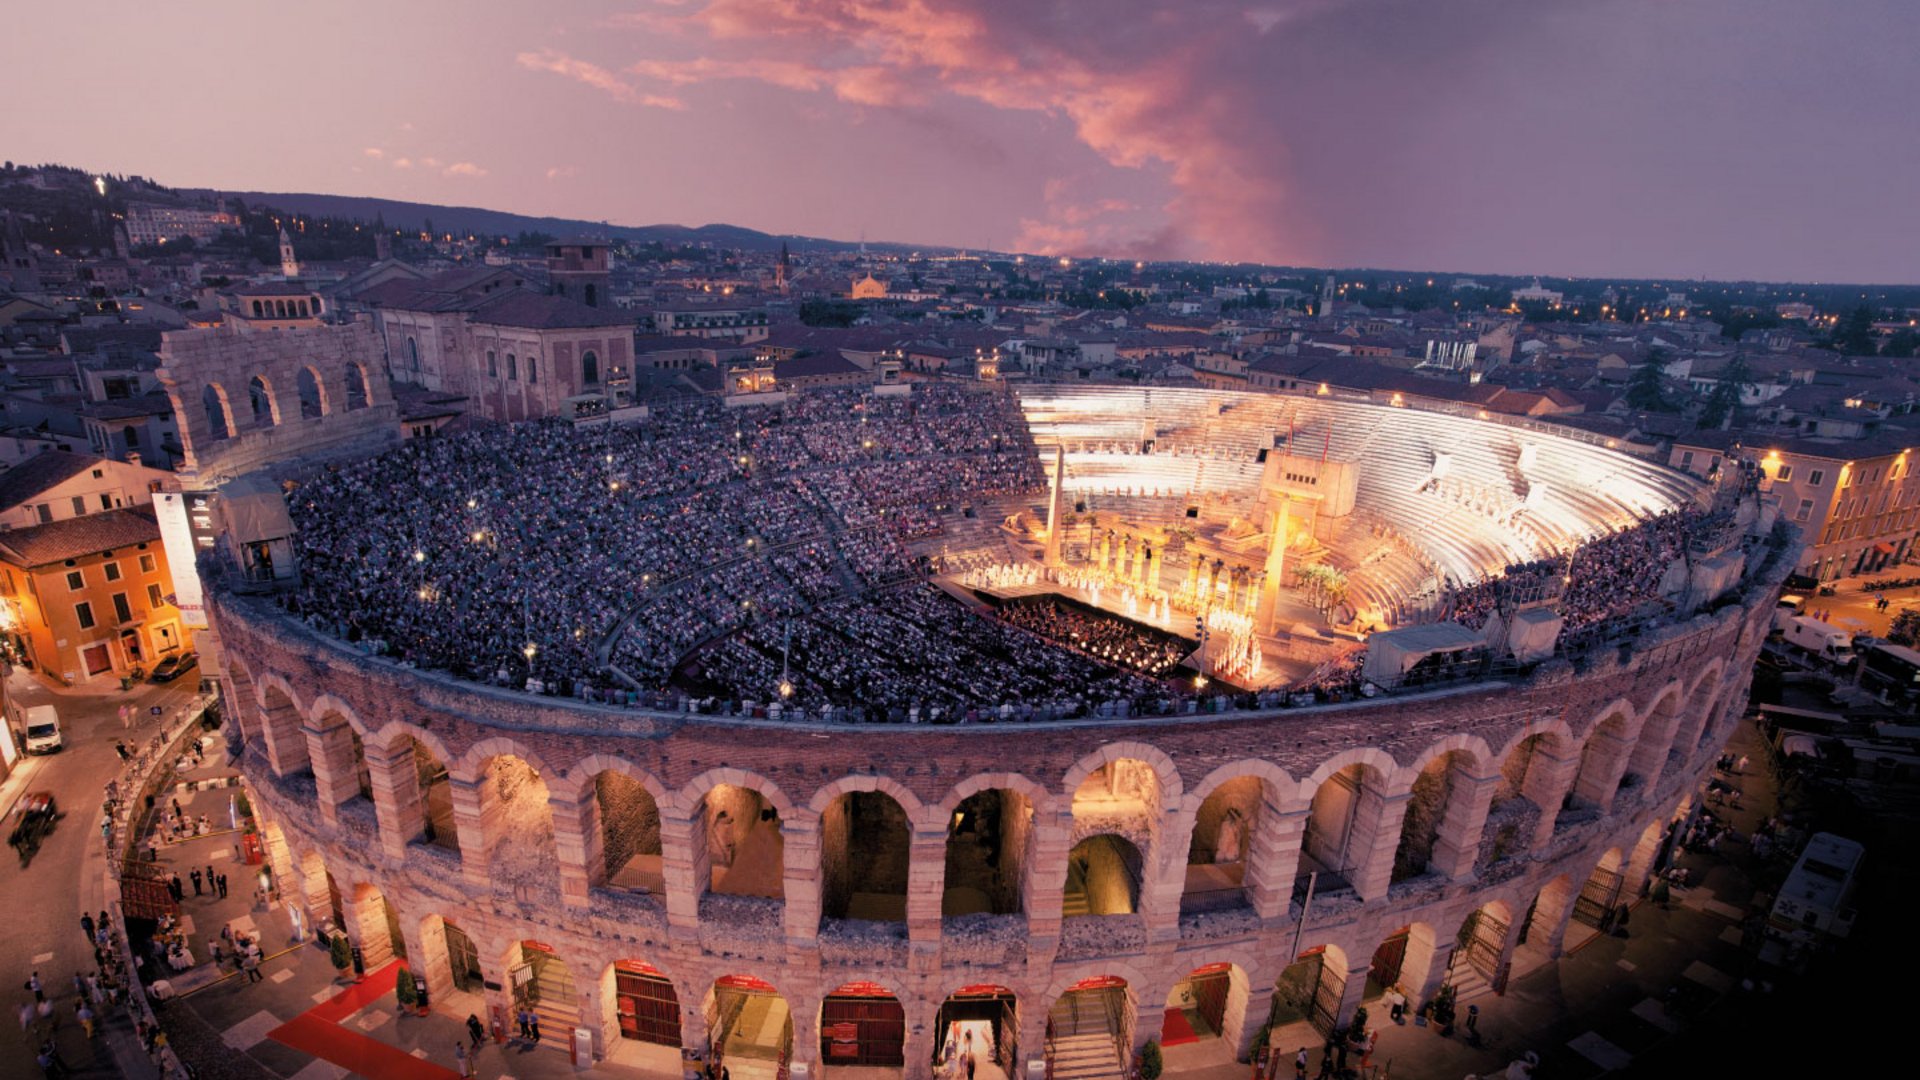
x: 1326, y: 997
x: 649, y: 1008
x: 1388, y: 959
x: 1481, y: 940
x: 1597, y: 898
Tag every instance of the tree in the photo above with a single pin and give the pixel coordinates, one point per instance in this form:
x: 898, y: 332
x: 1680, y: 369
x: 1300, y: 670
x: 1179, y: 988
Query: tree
x: 339, y: 953
x: 1905, y: 628
x: 404, y: 991
x: 1644, y: 390
x: 1727, y: 389
x: 1150, y: 1060
x: 1903, y: 344
x: 1855, y: 336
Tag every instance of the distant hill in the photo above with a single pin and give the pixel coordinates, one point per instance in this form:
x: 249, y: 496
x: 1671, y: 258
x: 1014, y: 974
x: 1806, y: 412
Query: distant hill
x: 473, y: 219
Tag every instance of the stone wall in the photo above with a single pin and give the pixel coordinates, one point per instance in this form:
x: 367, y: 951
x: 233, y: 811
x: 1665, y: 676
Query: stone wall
x: 629, y: 819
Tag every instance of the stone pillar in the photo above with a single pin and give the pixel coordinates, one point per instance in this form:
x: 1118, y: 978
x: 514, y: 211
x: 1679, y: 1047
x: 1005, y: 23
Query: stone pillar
x: 1149, y: 1014
x: 918, y: 1045
x: 1351, y: 993
x: 1247, y: 1009
x: 1640, y: 861
x: 287, y: 748
x: 1549, y: 778
x: 476, y: 815
x: 1054, y: 498
x: 1373, y: 837
x: 1436, y: 973
x: 1553, y: 919
x: 926, y: 885
x: 1043, y: 891
x: 1457, y: 842
x: 687, y: 867
x: 575, y: 820
x: 1504, y: 967
x: 367, y: 926
x: 336, y: 774
x: 427, y: 956
x: 397, y: 804
x: 802, y: 889
x: 1273, y: 859
x: 1166, y: 878
x: 806, y: 1027
x: 279, y: 859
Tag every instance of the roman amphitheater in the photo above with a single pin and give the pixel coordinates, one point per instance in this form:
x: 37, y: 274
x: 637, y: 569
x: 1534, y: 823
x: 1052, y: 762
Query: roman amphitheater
x: 855, y: 726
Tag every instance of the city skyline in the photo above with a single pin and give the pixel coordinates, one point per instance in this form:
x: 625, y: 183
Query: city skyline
x: 1612, y: 139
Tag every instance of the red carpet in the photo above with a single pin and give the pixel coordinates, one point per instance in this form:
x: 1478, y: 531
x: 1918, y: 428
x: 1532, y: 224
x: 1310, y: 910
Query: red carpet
x: 318, y: 1032
x: 1175, y: 1030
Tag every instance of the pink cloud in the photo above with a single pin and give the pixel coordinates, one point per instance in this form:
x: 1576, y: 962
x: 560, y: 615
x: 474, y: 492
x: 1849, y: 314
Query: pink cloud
x: 607, y: 82
x: 465, y: 168
x: 374, y: 152
x: 562, y: 172
x: 402, y: 163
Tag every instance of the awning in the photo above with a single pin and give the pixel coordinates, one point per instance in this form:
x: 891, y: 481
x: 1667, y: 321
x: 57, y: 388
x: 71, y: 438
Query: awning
x: 1884, y: 549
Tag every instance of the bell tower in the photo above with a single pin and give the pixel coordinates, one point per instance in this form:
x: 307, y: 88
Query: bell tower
x: 289, y: 266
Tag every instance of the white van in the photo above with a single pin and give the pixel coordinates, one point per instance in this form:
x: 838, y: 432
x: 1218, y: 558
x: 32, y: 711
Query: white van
x: 43, y: 729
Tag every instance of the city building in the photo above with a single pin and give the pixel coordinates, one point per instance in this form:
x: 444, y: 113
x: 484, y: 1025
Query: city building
x: 90, y: 597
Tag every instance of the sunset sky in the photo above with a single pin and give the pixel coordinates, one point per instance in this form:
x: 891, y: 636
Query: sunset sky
x: 1722, y: 138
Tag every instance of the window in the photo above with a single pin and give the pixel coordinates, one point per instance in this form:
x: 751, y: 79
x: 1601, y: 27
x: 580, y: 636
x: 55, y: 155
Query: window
x: 1815, y: 477
x: 113, y: 571
x: 84, y: 612
x: 1805, y: 511
x: 156, y: 598
x: 533, y: 369
x: 146, y: 564
x: 261, y: 400
x: 513, y: 368
x: 1686, y: 459
x: 79, y: 505
x: 1786, y: 473
x: 356, y: 387
x: 133, y: 438
x: 413, y: 355
x: 99, y: 474
x: 45, y: 512
x: 76, y: 580
x: 589, y: 369
x: 122, y: 611
x: 493, y: 365
x: 106, y: 501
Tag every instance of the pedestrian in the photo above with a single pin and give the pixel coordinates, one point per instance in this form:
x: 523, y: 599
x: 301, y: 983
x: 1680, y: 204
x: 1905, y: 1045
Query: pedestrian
x: 223, y: 886
x: 1741, y: 765
x: 33, y: 984
x: 27, y: 1016
x: 476, y: 1029
x: 533, y: 1021
x: 1366, y: 1050
x: 173, y: 886
x: 209, y: 877
x: 1300, y: 1065
x: 219, y: 956
x: 86, y: 925
x: 49, y: 1060
x: 79, y: 985
x: 969, y: 1067
x: 252, y: 966
x: 526, y: 1032
x: 177, y: 812
x: 196, y: 882
x: 462, y: 1060
x: 85, y: 1016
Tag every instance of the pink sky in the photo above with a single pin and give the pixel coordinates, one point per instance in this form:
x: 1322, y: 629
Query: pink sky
x: 1724, y: 138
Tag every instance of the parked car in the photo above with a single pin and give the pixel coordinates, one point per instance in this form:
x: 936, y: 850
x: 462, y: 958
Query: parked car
x: 43, y: 730
x: 173, y: 667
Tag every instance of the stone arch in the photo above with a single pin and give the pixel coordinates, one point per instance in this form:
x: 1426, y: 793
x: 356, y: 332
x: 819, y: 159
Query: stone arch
x: 1308, y: 995
x: 372, y: 924
x: 556, y: 986
x: 878, y: 1016
x: 1105, y: 875
x: 1403, y: 961
x: 1068, y: 975
x: 503, y: 804
x: 736, y: 836
x: 1351, y: 825
x: 1603, y: 757
x: 885, y: 785
x: 1697, y: 719
x: 866, y: 844
x: 313, y: 393
x: 1437, y: 794
x: 218, y: 411
x: 772, y: 1035
x: 1372, y: 757
x: 1647, y: 760
x: 644, y: 1004
x: 989, y: 843
x: 281, y: 724
x: 412, y: 781
x: 1165, y: 772
x: 450, y: 957
x: 472, y: 764
x: 689, y: 794
x: 1037, y: 795
x: 1208, y: 1003
x: 1224, y: 818
x: 359, y: 393
x: 263, y: 403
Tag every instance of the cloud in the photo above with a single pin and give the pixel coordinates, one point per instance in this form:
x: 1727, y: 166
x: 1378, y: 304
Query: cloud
x: 374, y: 152
x: 402, y: 163
x: 607, y: 82
x: 562, y: 172
x: 464, y: 168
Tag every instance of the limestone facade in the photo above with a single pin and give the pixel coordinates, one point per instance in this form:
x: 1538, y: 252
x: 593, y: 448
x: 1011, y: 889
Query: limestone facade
x: 1471, y: 817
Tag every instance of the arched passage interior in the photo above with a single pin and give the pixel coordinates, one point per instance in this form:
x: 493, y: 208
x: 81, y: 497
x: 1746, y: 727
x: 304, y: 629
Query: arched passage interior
x: 540, y: 980
x: 1306, y: 997
x: 744, y: 843
x: 748, y: 1022
x: 1090, y: 1028
x: 863, y: 1025
x: 986, y: 849
x: 1223, y: 832
x: 1103, y: 877
x: 983, y: 1020
x: 865, y: 843
x: 629, y: 834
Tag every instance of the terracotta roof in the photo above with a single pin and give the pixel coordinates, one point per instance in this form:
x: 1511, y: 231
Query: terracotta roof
x: 519, y: 307
x: 41, y: 472
x: 44, y: 545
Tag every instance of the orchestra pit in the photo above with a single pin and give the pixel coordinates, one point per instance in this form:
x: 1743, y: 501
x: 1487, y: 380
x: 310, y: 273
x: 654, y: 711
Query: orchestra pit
x: 856, y: 728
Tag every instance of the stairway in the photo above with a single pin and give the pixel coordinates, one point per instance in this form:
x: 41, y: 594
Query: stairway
x: 555, y: 1004
x: 1083, y: 1046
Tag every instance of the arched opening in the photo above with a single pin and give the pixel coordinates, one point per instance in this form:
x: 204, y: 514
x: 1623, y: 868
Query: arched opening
x: 312, y: 402
x: 1600, y: 895
x: 1648, y: 758
x: 1513, y: 815
x: 589, y: 369
x: 1400, y: 963
x: 1090, y: 1028
x: 986, y: 851
x: 413, y: 356
x: 1544, y: 925
x: 1204, y: 1013
x: 219, y: 418
x: 362, y: 772
x: 1306, y: 998
x: 1104, y: 874
x: 373, y: 926
x: 543, y: 982
x: 1433, y: 789
x: 1694, y: 730
x: 865, y: 843
x: 1602, y: 769
x: 981, y: 1020
x: 1123, y: 787
x: 1217, y: 858
x: 644, y: 1031
x: 258, y: 311
x: 1328, y: 846
x: 1478, y: 950
x: 744, y: 843
x: 862, y: 1025
x: 749, y: 1026
x: 260, y: 397
x: 282, y: 726
x: 435, y: 792
x: 629, y: 835
x: 519, y: 841
x: 357, y: 395
x: 450, y: 963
